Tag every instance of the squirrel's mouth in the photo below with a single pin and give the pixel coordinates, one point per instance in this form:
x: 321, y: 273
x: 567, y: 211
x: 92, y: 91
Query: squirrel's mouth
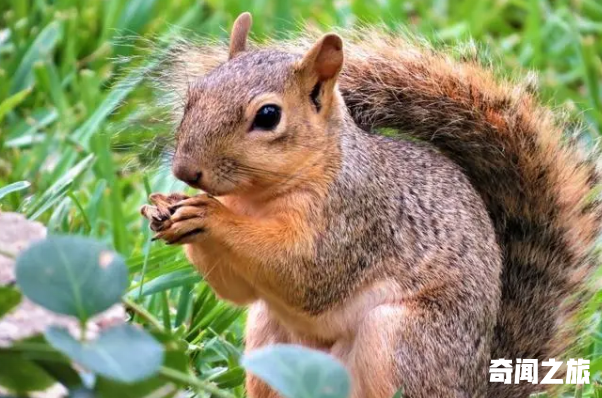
x: 203, y: 183
x: 213, y: 190
x: 205, y: 189
x: 216, y: 182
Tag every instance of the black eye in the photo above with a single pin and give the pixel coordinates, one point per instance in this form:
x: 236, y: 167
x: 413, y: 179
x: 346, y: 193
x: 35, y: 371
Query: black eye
x: 267, y: 117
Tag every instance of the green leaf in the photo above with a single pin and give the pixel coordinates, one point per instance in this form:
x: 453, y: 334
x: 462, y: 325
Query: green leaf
x: 597, y: 389
x: 123, y: 353
x: 16, y: 186
x: 11, y: 102
x: 72, y: 275
x: 135, y: 15
x: 154, y: 387
x: 228, y: 378
x: 59, y: 188
x: 168, y: 281
x: 174, y: 358
x: 298, y: 372
x: 42, y: 47
x: 21, y: 375
x: 183, y: 305
x: 9, y: 299
x: 58, y: 366
x: 81, y: 392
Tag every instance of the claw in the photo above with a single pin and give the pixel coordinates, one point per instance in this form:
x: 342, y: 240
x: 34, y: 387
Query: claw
x: 172, y: 208
x: 163, y: 217
x: 156, y: 237
x: 158, y: 226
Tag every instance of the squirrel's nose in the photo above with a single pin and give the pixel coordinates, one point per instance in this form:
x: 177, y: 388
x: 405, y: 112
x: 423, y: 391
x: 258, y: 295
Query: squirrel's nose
x: 190, y: 175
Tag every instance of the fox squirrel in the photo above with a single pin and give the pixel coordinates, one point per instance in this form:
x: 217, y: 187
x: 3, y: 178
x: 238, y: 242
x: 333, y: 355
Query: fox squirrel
x: 412, y: 262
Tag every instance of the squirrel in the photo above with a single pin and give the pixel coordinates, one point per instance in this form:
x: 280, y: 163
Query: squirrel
x: 414, y: 262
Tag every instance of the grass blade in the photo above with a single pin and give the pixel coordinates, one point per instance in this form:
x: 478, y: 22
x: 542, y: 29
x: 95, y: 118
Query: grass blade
x: 11, y: 102
x: 40, y: 49
x: 14, y: 187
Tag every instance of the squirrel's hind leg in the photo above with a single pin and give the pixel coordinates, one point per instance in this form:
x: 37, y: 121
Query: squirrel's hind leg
x: 261, y: 330
x: 370, y: 356
x: 418, y: 350
x: 412, y: 346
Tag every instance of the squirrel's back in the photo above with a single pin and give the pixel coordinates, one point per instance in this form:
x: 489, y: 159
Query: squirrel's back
x: 405, y: 205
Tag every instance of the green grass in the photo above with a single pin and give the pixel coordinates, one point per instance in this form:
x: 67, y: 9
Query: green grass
x: 68, y: 112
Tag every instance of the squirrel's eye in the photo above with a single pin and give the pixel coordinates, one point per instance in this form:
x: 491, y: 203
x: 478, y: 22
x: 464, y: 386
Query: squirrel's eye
x: 267, y: 117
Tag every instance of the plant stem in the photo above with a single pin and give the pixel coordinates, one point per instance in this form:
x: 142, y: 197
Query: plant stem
x: 83, y: 325
x: 180, y: 377
x: 143, y: 313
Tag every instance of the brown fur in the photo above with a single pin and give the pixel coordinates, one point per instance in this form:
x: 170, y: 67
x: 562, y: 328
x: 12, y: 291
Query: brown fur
x: 382, y: 252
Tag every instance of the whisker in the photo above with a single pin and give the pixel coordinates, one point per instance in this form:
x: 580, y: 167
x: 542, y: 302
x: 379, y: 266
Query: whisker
x: 281, y: 178
x: 276, y: 177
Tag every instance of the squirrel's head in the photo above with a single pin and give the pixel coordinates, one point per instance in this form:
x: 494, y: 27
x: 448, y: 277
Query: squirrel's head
x: 263, y: 118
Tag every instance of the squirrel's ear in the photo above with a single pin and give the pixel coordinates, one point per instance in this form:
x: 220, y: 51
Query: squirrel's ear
x: 325, y: 59
x: 240, y: 31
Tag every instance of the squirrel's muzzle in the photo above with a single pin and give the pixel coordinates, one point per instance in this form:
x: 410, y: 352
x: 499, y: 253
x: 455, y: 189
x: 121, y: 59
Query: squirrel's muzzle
x: 188, y: 173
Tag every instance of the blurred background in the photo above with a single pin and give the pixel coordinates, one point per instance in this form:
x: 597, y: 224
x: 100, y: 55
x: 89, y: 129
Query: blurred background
x: 74, y: 118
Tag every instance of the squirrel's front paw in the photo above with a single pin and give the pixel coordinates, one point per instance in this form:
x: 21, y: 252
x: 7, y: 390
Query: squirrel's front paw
x: 159, y: 212
x: 189, y: 219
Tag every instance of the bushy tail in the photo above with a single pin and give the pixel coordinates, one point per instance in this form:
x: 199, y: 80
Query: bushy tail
x: 534, y: 181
